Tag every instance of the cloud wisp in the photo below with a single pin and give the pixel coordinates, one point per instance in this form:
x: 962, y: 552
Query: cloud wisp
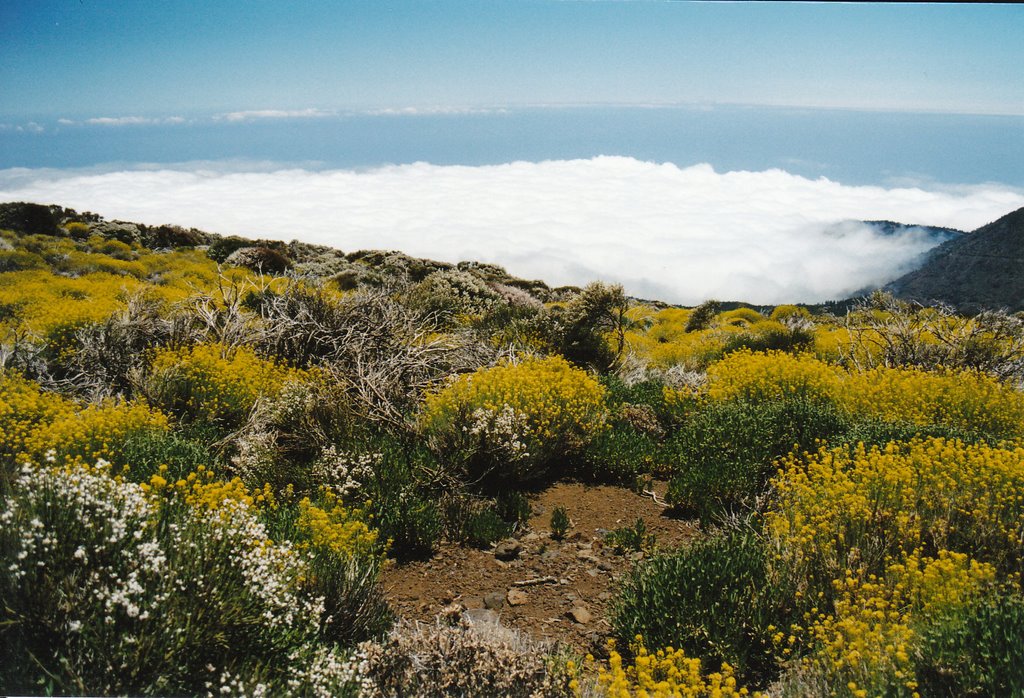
x: 677, y: 234
x: 260, y: 114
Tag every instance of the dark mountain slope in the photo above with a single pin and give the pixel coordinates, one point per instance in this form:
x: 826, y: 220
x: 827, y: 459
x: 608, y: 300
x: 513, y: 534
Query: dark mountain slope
x: 934, y: 232
x: 984, y: 269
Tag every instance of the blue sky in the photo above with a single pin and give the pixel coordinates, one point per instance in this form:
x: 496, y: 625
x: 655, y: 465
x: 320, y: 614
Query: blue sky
x: 86, y: 58
x: 525, y: 133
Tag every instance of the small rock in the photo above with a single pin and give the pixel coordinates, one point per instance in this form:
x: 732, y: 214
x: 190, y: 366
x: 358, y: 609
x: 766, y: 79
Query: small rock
x: 549, y: 555
x: 508, y: 549
x: 585, y: 555
x: 592, y: 572
x: 605, y: 565
x: 584, y: 546
x: 531, y: 536
x: 580, y: 615
x: 516, y: 597
x: 637, y: 556
x: 604, y: 596
x: 494, y: 601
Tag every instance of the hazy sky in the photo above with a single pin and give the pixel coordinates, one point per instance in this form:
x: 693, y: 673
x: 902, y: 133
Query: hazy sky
x: 94, y: 58
x: 520, y: 131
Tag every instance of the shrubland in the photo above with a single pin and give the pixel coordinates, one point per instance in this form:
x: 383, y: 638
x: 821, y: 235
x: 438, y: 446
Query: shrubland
x: 211, y: 447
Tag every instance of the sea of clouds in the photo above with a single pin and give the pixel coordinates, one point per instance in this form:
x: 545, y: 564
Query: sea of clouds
x: 680, y: 234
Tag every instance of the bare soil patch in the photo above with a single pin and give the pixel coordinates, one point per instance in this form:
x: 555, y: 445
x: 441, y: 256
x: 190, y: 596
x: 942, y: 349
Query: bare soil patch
x: 553, y: 590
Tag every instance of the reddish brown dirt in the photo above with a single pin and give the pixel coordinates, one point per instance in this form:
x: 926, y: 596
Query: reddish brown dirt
x: 587, y: 571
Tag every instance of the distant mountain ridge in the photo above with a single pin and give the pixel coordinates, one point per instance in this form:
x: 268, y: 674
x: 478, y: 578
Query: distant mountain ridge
x: 979, y: 270
x: 937, y: 233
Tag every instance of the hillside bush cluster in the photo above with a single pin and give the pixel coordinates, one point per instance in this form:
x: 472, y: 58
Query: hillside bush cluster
x: 210, y: 448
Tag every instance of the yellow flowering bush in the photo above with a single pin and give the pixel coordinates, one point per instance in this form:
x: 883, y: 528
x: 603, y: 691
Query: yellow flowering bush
x: 660, y: 337
x: 851, y: 505
x: 214, y: 383
x: 831, y: 342
x: 36, y: 425
x: 24, y: 409
x: 54, y: 306
x: 783, y: 313
x: 967, y: 400
x: 758, y: 376
x: 94, y: 433
x: 868, y: 644
x: 335, y: 528
x: 666, y: 673
x: 517, y: 416
x: 740, y: 317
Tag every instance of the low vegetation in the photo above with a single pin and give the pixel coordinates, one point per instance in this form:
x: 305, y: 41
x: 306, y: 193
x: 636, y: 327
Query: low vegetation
x: 211, y: 448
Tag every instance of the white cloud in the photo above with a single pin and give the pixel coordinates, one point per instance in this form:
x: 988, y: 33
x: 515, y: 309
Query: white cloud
x: 254, y: 114
x: 434, y: 111
x: 30, y: 127
x: 128, y: 121
x: 118, y: 120
x: 677, y: 234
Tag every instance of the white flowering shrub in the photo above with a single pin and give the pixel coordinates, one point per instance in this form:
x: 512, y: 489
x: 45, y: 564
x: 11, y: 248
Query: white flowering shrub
x: 503, y: 433
x: 450, y: 293
x: 345, y: 472
x: 107, y: 590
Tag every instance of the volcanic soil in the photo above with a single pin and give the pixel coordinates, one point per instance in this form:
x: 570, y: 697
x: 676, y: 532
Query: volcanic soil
x: 550, y: 589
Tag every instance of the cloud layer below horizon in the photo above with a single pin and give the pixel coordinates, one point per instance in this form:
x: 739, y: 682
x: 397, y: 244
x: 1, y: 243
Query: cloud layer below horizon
x: 681, y: 235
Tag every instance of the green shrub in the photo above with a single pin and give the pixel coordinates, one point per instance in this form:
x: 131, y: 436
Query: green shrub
x: 630, y: 538
x: 618, y: 455
x: 355, y: 609
x: 771, y: 336
x: 411, y: 522
x: 879, y: 433
x: 480, y: 523
x: 513, y: 507
x: 592, y: 326
x: 30, y: 218
x: 260, y: 259
x: 724, y: 454
x: 979, y: 652
x: 717, y: 599
x: 559, y: 523
x: 702, y: 316
x: 144, y: 452
x: 484, y: 528
x: 222, y: 247
x: 647, y: 392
